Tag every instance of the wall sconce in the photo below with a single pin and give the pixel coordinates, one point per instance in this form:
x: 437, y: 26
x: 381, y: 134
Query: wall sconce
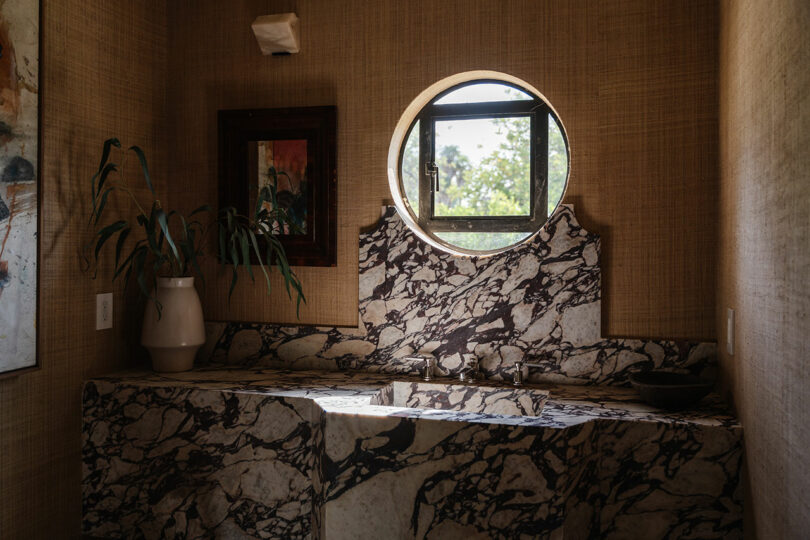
x: 277, y: 34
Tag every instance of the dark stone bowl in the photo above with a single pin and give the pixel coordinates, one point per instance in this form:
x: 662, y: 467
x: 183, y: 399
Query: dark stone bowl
x: 670, y: 391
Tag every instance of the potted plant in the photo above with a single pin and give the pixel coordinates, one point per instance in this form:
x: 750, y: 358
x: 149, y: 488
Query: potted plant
x: 161, y: 251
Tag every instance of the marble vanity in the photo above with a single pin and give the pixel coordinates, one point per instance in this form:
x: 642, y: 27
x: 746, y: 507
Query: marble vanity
x: 262, y: 453
x: 260, y: 448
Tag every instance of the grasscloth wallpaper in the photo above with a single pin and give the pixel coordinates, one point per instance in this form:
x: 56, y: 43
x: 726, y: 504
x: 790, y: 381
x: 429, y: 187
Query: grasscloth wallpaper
x: 634, y: 83
x: 102, y: 73
x: 764, y: 262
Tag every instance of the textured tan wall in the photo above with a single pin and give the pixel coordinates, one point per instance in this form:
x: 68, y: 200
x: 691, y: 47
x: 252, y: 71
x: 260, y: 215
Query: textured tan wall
x: 633, y: 81
x: 626, y: 69
x: 764, y: 252
x: 103, y: 67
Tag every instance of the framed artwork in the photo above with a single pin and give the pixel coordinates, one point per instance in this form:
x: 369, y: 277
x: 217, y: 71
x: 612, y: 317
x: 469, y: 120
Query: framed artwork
x: 19, y: 173
x: 294, y: 150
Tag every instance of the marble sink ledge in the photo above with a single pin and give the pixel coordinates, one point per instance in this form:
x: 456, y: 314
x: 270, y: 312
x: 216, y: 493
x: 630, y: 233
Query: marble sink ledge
x: 261, y: 453
x: 350, y: 391
x: 474, y: 398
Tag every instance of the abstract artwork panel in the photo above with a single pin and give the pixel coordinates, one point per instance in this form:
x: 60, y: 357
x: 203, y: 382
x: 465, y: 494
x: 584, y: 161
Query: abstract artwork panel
x: 19, y: 80
x: 282, y: 165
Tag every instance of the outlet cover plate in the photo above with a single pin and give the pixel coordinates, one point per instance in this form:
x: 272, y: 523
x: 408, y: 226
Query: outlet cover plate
x: 730, y: 331
x: 104, y: 311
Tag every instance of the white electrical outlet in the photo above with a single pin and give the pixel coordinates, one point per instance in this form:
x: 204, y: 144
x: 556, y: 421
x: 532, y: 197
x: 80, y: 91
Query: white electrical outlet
x: 730, y: 331
x: 104, y: 311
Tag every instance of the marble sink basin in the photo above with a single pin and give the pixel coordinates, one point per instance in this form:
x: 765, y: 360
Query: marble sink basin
x: 461, y: 397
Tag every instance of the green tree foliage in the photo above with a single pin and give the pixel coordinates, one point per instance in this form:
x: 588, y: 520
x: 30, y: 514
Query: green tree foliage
x: 410, y: 168
x: 500, y: 185
x: 557, y: 164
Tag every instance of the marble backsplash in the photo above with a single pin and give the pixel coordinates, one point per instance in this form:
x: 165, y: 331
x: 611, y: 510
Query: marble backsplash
x: 539, y: 302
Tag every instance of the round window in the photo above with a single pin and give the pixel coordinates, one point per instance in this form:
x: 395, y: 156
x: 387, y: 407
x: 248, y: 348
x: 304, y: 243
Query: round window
x: 477, y: 163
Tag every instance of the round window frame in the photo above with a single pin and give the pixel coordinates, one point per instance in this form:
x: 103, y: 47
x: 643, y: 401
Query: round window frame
x: 400, y: 137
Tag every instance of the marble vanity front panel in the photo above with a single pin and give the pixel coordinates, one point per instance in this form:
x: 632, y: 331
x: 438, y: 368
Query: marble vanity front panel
x: 539, y: 302
x: 181, y: 462
x: 407, y: 478
x: 657, y: 481
x: 282, y: 454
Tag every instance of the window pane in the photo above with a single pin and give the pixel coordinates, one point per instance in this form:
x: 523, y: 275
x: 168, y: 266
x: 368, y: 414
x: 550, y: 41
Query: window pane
x: 482, y: 241
x: 484, y: 167
x: 483, y: 93
x: 410, y: 168
x: 557, y: 164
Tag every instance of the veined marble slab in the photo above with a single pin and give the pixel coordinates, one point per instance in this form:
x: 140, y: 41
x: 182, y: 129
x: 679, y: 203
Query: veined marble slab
x: 475, y: 398
x: 258, y: 453
x: 540, y: 302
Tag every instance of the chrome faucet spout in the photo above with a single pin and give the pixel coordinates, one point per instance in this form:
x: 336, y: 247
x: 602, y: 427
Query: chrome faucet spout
x: 427, y: 362
x: 470, y: 373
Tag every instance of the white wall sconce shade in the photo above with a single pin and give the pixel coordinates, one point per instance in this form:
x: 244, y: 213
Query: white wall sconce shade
x: 277, y: 34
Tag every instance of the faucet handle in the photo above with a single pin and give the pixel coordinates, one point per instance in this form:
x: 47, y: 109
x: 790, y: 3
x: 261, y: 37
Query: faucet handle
x: 471, y: 370
x: 427, y: 367
x: 427, y: 363
x: 517, y: 376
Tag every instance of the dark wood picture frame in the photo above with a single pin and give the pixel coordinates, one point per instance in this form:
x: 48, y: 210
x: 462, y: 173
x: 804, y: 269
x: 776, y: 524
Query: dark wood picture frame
x: 238, y: 129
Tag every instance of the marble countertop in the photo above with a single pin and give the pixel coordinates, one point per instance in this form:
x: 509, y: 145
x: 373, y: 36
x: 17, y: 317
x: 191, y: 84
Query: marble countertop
x: 350, y: 392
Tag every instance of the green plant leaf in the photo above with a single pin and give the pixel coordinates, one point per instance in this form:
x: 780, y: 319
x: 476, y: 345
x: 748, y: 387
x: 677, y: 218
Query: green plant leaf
x: 105, y: 152
x: 151, y: 233
x: 259, y: 258
x: 144, y: 167
x: 203, y: 208
x: 164, y: 225
x: 157, y: 264
x: 184, y: 248
x: 160, y: 239
x: 126, y: 264
x: 138, y: 263
x: 192, y: 257
x: 101, y: 205
x: 156, y: 229
x: 290, y: 279
x: 110, y: 167
x: 234, y: 252
x: 234, y: 277
x: 105, y: 233
x: 105, y: 173
x: 122, y: 237
x: 243, y: 240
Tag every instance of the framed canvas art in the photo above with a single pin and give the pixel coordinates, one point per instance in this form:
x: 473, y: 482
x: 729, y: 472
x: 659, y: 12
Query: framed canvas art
x: 19, y: 173
x: 293, y: 152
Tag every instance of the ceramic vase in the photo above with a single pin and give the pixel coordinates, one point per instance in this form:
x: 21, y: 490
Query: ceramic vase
x: 174, y: 336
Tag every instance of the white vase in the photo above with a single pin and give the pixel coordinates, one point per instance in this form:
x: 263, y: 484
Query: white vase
x: 173, y: 337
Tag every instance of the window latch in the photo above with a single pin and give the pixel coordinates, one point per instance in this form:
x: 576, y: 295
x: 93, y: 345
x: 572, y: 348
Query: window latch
x: 432, y: 171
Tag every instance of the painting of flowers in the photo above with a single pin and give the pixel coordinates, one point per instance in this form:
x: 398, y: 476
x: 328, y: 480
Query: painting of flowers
x: 282, y: 166
x: 19, y: 78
